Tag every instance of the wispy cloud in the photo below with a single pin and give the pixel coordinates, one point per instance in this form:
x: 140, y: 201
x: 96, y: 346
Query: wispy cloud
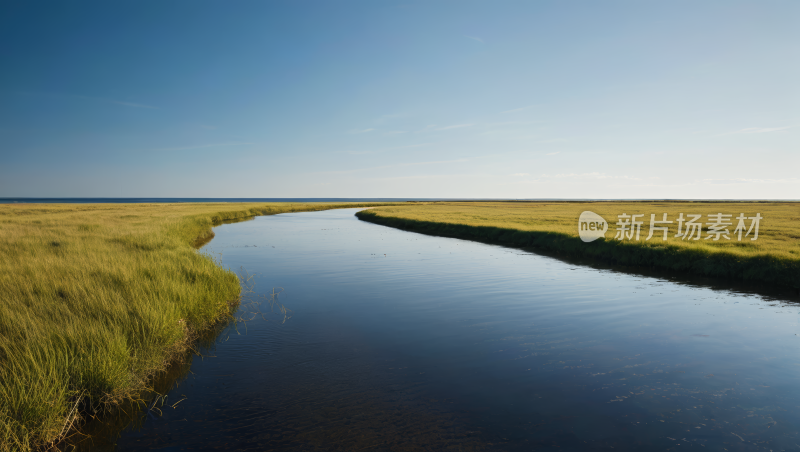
x: 472, y: 177
x: 398, y: 165
x: 792, y: 180
x: 411, y: 146
x: 457, y: 126
x: 751, y: 130
x: 379, y: 151
x: 553, y: 153
x: 475, y: 38
x: 513, y: 123
x: 763, y: 129
x: 705, y: 182
x: 594, y: 175
x: 201, y: 146
x: 514, y: 110
x: 435, y: 127
x: 395, y: 132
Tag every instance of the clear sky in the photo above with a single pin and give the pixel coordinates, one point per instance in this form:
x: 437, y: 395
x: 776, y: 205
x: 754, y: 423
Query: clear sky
x: 568, y: 99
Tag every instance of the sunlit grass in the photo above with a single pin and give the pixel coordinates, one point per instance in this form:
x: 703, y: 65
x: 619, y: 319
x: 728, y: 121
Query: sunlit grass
x: 95, y: 299
x: 773, y: 258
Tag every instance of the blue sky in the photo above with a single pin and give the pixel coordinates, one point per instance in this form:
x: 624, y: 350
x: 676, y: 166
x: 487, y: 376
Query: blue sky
x: 400, y: 99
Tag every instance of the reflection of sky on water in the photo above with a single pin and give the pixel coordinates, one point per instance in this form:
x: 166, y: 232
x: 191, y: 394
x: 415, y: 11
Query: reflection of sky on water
x: 403, y: 341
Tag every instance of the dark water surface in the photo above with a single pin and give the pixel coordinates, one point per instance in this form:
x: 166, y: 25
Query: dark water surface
x: 401, y: 341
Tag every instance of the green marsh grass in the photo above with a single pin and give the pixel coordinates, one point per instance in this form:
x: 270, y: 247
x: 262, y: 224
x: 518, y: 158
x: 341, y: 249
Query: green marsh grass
x: 553, y: 226
x: 97, y: 299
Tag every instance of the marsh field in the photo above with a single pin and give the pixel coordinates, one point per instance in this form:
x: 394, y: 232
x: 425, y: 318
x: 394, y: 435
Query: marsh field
x: 96, y: 299
x: 773, y: 258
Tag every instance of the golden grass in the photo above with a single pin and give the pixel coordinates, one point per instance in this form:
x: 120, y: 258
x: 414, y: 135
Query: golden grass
x: 95, y: 299
x: 773, y: 258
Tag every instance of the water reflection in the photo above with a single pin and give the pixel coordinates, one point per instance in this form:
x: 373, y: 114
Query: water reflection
x: 401, y: 341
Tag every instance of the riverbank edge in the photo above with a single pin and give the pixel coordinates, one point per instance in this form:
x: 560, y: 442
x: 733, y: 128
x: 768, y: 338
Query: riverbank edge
x: 196, y: 231
x: 759, y: 269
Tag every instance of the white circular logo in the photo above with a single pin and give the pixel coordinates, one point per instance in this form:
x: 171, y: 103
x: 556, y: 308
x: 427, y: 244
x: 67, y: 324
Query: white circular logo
x: 591, y: 226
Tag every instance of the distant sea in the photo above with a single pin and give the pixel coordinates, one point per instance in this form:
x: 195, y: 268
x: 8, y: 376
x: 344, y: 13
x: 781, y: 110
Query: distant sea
x: 176, y: 200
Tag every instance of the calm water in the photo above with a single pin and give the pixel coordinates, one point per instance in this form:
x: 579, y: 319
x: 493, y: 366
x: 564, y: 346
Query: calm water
x: 401, y: 341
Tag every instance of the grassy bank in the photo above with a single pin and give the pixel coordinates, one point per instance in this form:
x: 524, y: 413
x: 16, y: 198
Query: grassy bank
x: 774, y: 258
x: 95, y: 299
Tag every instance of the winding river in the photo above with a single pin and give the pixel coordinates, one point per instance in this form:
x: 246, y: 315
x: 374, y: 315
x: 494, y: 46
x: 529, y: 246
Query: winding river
x: 402, y: 341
